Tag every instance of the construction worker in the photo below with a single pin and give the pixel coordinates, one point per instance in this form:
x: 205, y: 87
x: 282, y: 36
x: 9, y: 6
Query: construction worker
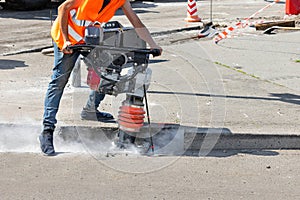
x: 68, y: 29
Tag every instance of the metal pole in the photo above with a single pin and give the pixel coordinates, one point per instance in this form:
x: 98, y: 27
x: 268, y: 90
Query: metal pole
x: 211, y: 10
x: 148, y: 117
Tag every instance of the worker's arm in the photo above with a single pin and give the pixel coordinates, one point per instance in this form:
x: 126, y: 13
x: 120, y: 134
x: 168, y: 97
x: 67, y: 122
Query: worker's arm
x: 140, y: 28
x: 62, y: 17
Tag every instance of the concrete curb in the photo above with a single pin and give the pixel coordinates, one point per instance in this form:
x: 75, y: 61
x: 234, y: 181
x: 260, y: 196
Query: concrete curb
x: 187, y: 138
x: 159, y: 33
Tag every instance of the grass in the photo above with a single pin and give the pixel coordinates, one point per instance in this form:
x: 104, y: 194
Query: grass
x: 238, y: 70
x: 245, y: 73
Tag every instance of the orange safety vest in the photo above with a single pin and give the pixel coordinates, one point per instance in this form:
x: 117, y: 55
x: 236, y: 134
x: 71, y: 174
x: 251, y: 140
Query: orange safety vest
x: 86, y: 14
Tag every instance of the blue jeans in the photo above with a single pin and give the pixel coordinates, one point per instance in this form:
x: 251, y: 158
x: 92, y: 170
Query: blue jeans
x: 94, y: 100
x: 63, y: 66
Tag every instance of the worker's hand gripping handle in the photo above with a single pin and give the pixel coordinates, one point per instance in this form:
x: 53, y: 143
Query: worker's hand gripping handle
x: 155, y: 52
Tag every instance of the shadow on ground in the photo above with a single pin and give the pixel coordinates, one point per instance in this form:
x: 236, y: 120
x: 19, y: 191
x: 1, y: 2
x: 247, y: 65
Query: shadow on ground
x: 287, y: 97
x: 11, y: 64
x: 228, y: 153
x: 283, y: 97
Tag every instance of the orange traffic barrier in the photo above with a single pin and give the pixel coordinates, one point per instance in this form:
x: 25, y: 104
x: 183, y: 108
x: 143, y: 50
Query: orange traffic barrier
x: 292, y: 7
x: 192, y: 12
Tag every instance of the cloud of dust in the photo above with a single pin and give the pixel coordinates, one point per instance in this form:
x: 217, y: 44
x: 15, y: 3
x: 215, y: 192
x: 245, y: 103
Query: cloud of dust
x: 24, y: 139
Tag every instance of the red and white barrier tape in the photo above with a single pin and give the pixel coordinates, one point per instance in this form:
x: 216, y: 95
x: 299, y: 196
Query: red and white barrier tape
x: 224, y: 34
x: 253, y: 23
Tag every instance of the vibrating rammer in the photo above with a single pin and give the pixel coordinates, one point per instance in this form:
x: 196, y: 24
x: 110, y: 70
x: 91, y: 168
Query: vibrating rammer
x: 117, y: 61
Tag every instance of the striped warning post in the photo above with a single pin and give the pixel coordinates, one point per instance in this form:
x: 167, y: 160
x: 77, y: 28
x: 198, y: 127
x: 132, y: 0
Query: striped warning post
x: 224, y: 34
x: 192, y: 12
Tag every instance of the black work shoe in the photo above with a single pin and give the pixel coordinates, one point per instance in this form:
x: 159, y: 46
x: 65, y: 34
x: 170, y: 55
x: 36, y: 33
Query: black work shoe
x: 46, y: 142
x: 95, y: 115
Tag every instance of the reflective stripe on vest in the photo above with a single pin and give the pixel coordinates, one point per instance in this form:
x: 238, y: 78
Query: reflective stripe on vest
x: 79, y: 22
x: 74, y: 34
x: 71, y: 31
